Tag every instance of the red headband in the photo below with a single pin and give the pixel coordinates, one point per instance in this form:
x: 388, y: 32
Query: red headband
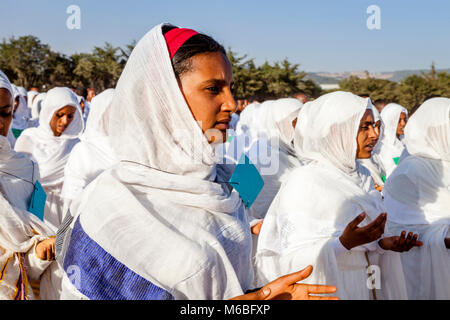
x: 176, y: 37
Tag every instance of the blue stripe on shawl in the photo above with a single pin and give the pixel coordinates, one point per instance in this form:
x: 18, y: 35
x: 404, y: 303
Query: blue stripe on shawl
x: 101, y: 276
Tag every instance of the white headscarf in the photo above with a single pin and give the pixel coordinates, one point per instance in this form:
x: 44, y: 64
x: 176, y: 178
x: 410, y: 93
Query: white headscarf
x: 165, y: 204
x: 279, y: 133
x: 320, y: 198
x: 49, y: 151
x: 389, y: 146
x: 93, y: 154
x: 31, y: 95
x: 422, y: 180
x: 36, y: 106
x: 5, y: 84
x: 20, y: 117
x: 372, y: 164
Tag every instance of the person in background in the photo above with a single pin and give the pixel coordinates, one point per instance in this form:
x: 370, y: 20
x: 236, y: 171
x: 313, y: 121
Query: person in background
x: 301, y: 96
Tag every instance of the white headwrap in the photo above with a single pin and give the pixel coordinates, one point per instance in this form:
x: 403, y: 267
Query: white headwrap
x: 165, y: 204
x: 49, y: 151
x: 36, y: 106
x: 422, y: 180
x: 5, y: 84
x: 93, y: 154
x: 20, y: 116
x: 279, y: 132
x: 372, y: 164
x: 389, y: 146
x: 320, y: 198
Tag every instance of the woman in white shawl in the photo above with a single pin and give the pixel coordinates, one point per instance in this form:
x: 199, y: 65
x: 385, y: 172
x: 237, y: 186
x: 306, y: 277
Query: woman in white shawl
x: 20, y: 114
x: 390, y: 147
x: 275, y: 164
x: 163, y: 223
x: 25, y: 247
x: 312, y: 218
x: 50, y: 144
x: 372, y: 165
x: 36, y: 107
x: 93, y: 154
x: 417, y: 197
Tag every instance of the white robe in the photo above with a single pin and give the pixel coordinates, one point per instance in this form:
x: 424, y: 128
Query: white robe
x: 157, y: 220
x: 319, y: 199
x: 417, y: 197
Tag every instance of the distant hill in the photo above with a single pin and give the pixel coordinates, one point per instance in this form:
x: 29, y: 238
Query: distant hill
x: 335, y: 77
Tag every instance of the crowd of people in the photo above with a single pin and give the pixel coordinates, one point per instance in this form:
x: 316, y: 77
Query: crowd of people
x: 141, y: 191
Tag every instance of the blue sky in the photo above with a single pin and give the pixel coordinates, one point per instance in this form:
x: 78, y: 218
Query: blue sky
x: 320, y: 35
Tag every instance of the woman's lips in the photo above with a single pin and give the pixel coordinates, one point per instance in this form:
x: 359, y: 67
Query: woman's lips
x: 222, y: 126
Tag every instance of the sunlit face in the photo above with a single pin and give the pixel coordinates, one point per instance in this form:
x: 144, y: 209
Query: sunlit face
x: 401, y: 125
x: 6, y: 111
x: 207, y: 91
x: 367, y: 136
x: 61, y: 119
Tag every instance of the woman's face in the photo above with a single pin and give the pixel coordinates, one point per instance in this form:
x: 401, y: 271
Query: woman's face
x: 401, y: 125
x: 207, y: 91
x: 367, y: 136
x: 6, y: 111
x: 61, y: 119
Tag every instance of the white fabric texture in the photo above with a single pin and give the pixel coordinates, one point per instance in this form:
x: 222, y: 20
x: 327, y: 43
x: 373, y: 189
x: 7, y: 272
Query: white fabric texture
x: 279, y: 132
x: 21, y: 115
x: 51, y: 152
x: 389, y: 145
x: 418, y: 197
x: 36, y: 107
x: 93, y: 154
x: 319, y: 199
x: 165, y: 204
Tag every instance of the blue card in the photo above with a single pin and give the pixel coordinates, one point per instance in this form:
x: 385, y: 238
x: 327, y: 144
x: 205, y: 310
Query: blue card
x: 37, y: 202
x: 247, y: 181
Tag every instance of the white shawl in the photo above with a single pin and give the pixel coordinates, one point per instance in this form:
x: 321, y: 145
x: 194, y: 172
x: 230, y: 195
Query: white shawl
x: 36, y: 107
x: 158, y: 215
x: 319, y: 199
x: 93, y: 154
x: 20, y: 116
x: 389, y: 146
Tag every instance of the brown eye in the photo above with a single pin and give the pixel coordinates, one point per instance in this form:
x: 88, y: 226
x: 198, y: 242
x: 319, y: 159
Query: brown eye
x: 213, y: 89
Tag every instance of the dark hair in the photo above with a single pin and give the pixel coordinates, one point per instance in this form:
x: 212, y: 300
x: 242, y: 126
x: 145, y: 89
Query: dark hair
x: 81, y: 91
x: 199, y: 43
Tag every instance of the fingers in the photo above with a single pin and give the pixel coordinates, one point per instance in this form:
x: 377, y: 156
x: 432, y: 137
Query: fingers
x: 354, y: 223
x: 321, y: 289
x: 260, y: 294
x: 322, y: 298
x: 376, y: 224
x: 298, y: 276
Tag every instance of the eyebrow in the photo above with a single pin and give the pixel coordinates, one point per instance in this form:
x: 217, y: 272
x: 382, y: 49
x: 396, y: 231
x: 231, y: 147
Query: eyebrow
x: 367, y: 123
x: 7, y: 106
x: 219, y: 82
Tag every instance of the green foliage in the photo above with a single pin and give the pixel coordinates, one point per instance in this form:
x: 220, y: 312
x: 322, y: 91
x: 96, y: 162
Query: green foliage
x: 410, y: 92
x: 282, y: 79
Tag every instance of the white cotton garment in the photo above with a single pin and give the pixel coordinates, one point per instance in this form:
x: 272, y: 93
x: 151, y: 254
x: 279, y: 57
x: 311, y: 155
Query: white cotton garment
x: 51, y: 152
x: 389, y: 145
x: 5, y: 84
x: 159, y: 212
x: 418, y: 197
x: 319, y: 199
x: 376, y: 171
x: 93, y: 154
